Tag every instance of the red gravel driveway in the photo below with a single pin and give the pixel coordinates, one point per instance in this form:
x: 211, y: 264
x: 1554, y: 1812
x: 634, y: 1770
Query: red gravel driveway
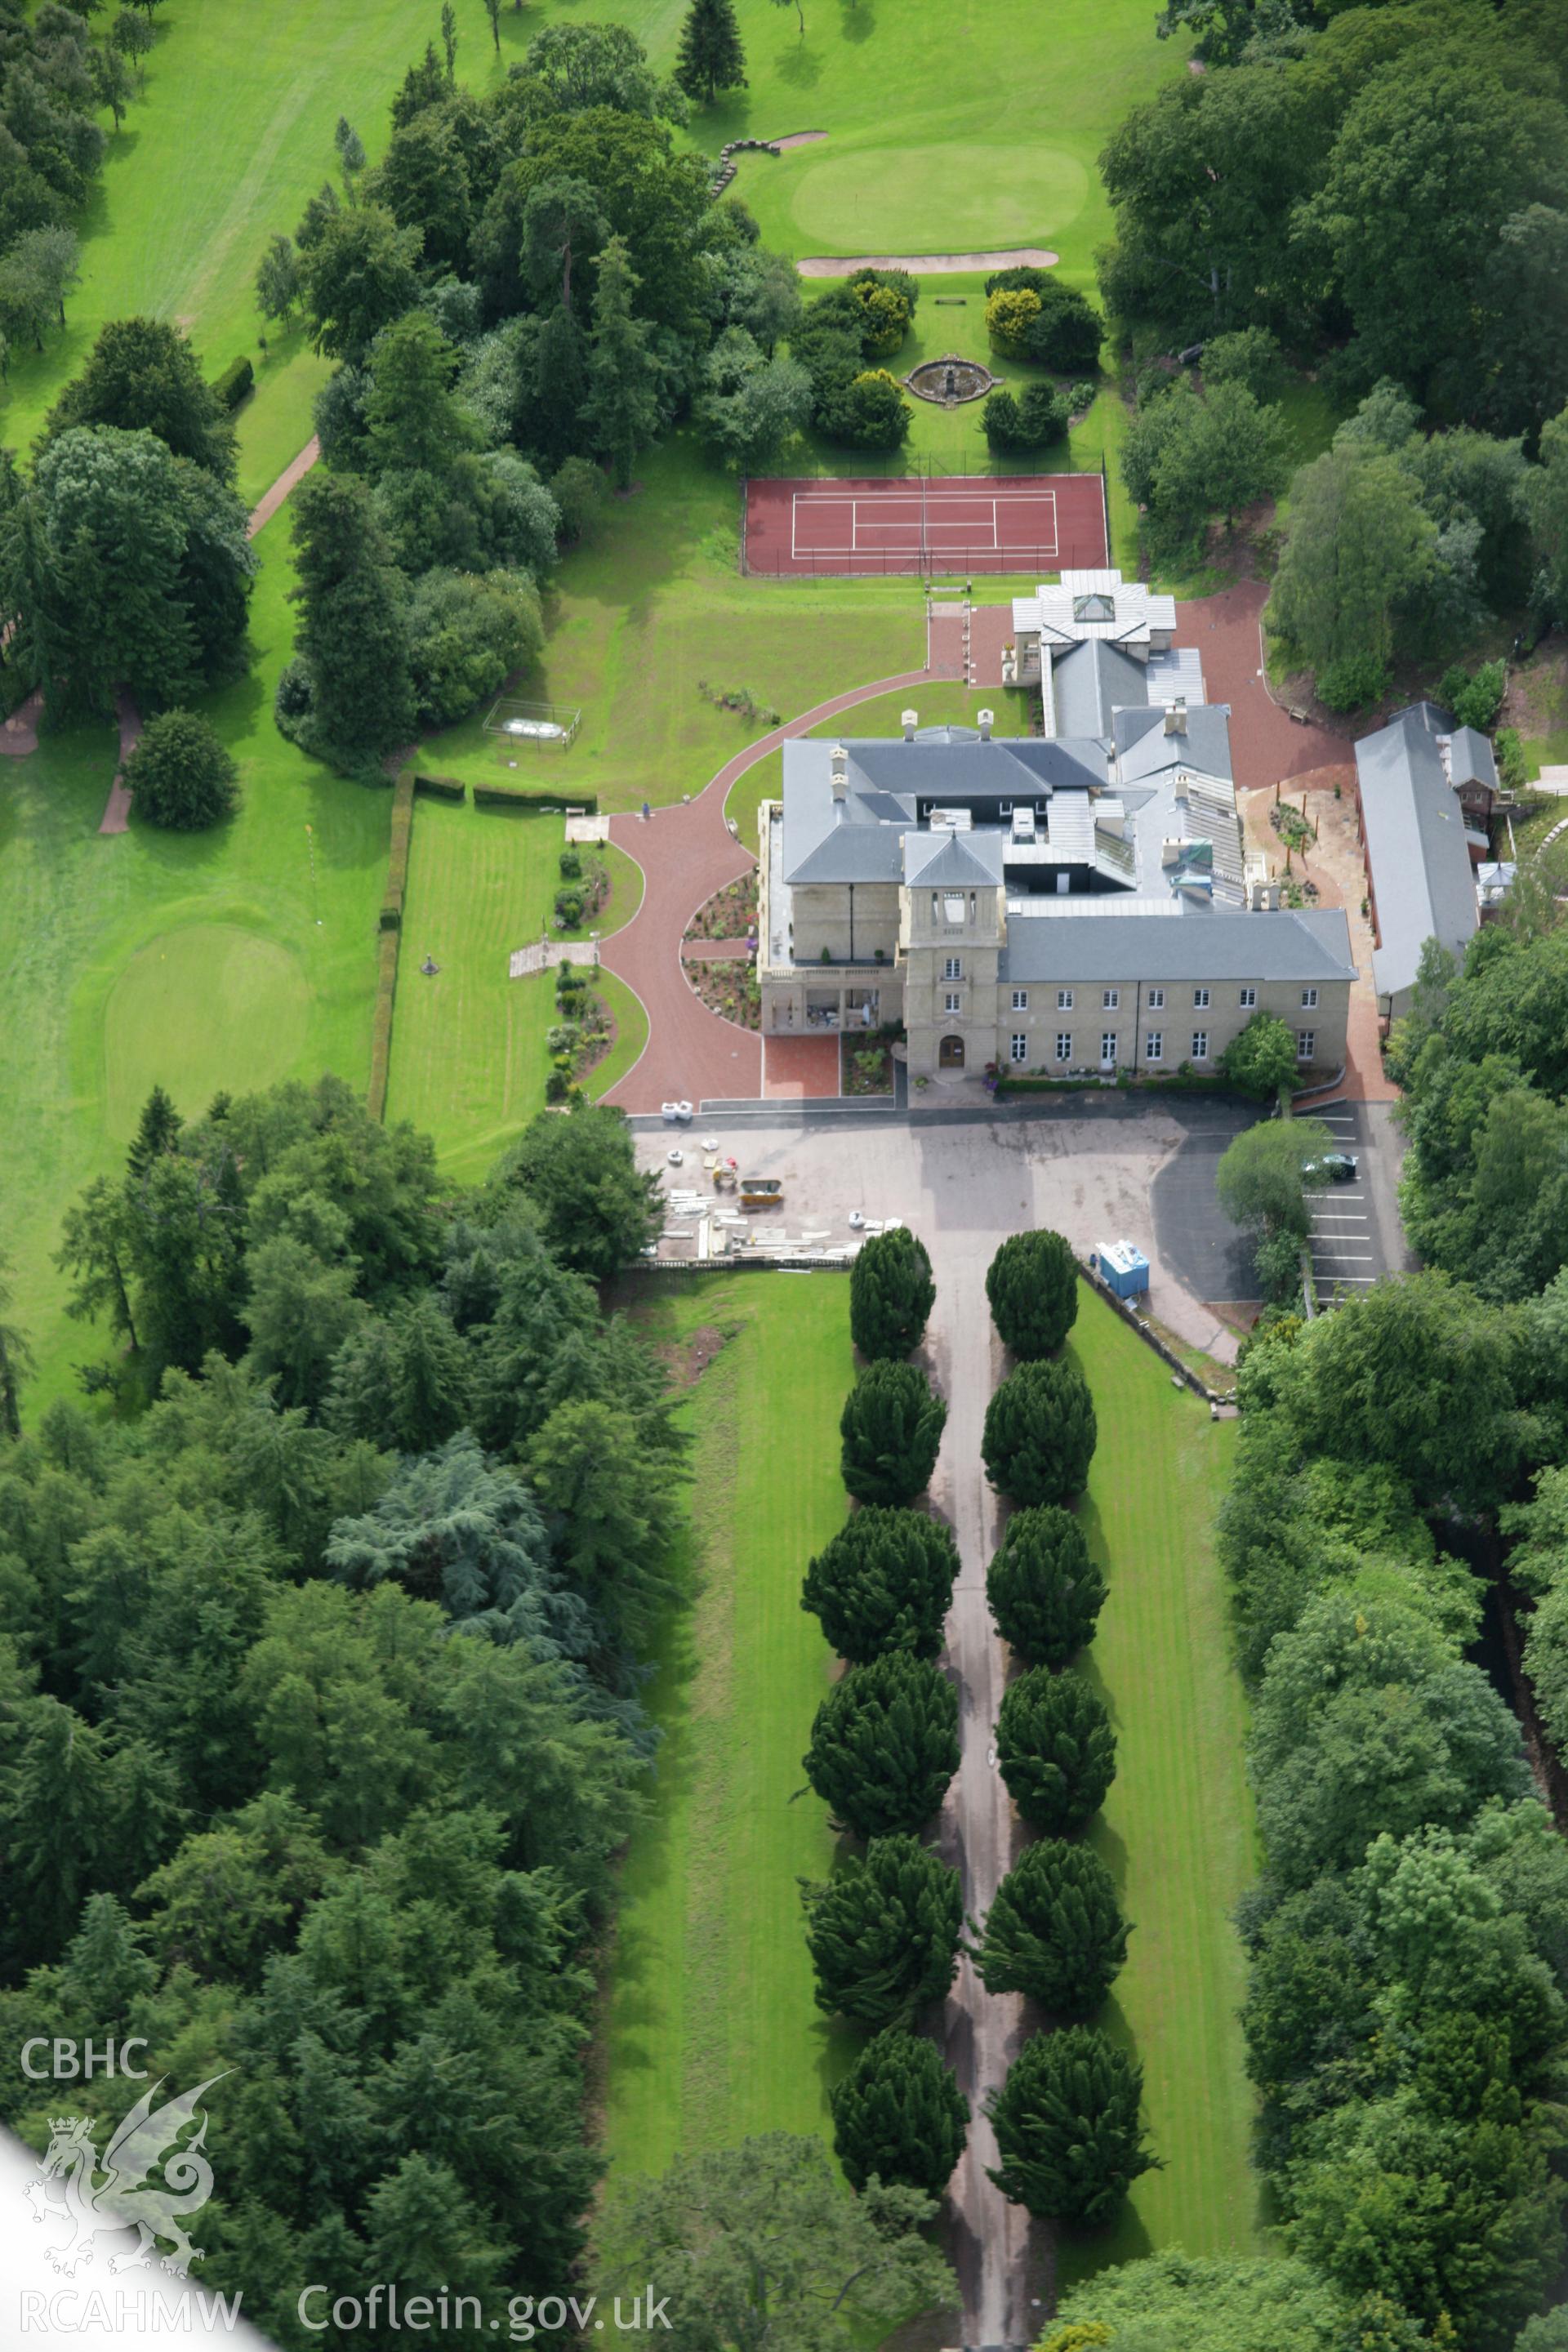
x: 1267, y: 745
x: 686, y: 854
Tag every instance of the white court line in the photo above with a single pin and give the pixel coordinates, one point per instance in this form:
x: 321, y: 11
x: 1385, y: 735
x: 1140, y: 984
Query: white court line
x: 926, y: 526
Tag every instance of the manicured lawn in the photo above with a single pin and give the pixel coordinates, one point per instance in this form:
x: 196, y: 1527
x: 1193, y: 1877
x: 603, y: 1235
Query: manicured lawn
x: 655, y: 608
x: 193, y: 961
x: 968, y: 128
x: 469, y: 1054
x: 712, y: 2032
x: 1177, y: 1828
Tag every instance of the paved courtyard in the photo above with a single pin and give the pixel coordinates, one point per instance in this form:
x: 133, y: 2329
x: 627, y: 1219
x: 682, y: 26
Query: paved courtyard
x: 973, y: 1174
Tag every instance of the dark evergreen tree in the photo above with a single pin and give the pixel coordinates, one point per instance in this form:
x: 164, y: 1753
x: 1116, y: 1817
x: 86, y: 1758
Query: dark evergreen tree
x: 453, y: 1528
x: 892, y: 1427
x: 1032, y: 1285
x: 1068, y: 2129
x: 401, y: 1380
x: 1040, y: 1434
x: 554, y: 425
x: 899, y: 2114
x: 884, y: 1745
x: 157, y: 1131
x: 1045, y: 1591
x: 892, y: 1295
x: 622, y: 412
x: 883, y: 1583
x: 122, y: 566
x: 709, y: 56
x: 883, y: 1933
x: 1056, y: 1749
x: 1054, y: 1930
x: 352, y: 638
x: 16, y: 1360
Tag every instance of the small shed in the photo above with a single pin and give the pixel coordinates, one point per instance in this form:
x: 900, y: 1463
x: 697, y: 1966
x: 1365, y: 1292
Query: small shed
x: 1122, y: 1268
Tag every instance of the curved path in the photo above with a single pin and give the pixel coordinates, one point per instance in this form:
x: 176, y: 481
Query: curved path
x: 117, y: 808
x: 686, y: 853
x: 270, y: 500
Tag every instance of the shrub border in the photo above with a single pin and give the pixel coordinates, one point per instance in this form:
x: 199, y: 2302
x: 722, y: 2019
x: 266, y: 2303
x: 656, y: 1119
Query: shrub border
x: 520, y: 796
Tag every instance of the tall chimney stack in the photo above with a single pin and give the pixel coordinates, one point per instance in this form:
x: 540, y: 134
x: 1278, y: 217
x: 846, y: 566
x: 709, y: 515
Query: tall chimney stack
x: 839, y: 758
x: 1176, y: 716
x: 911, y: 720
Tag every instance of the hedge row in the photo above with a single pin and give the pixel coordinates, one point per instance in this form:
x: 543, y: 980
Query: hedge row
x: 380, y: 1034
x: 441, y: 788
x: 236, y: 383
x: 519, y: 796
x: 397, y: 855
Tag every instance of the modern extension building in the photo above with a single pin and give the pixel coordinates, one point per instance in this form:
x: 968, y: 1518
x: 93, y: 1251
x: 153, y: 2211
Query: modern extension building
x: 1070, y: 904
x: 1426, y: 787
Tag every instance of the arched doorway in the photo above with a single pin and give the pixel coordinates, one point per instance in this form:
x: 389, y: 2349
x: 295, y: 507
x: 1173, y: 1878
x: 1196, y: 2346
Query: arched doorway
x: 949, y: 1053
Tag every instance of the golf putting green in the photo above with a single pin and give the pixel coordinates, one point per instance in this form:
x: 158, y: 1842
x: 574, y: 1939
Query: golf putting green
x: 206, y: 1006
x: 905, y: 200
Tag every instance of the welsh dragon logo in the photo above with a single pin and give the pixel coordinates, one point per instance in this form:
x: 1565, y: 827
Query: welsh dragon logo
x: 121, y: 2193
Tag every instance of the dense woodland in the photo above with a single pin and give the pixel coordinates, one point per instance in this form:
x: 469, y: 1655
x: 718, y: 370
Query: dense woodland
x: 1378, y: 194
x: 320, y: 1722
x: 529, y: 288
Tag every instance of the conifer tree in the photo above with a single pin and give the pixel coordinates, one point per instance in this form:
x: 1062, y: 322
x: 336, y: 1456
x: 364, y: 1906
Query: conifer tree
x: 157, y: 1131
x: 352, y: 635
x: 16, y: 1361
x: 1054, y: 1930
x: 884, y: 1745
x: 899, y: 2114
x: 892, y: 1427
x: 623, y: 399
x: 1040, y: 1434
x: 1032, y: 1285
x: 892, y: 1295
x: 709, y: 58
x: 1045, y: 1591
x: 883, y: 1583
x: 1056, y: 1749
x: 1066, y: 2127
x: 883, y: 1933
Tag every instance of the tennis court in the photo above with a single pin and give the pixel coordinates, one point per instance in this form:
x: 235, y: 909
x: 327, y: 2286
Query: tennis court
x: 964, y: 523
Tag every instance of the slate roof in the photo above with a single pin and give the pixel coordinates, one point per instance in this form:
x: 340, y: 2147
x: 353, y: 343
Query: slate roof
x: 1091, y: 681
x: 1416, y: 849
x: 1169, y: 940
x: 1470, y: 760
x: 953, y: 860
x: 860, y: 838
x: 1144, y: 748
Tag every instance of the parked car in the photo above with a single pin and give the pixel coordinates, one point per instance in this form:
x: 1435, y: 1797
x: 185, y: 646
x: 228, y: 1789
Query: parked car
x: 1333, y: 1168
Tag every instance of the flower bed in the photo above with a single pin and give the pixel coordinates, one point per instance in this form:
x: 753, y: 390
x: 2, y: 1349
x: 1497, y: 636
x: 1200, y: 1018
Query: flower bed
x: 729, y: 914
x: 728, y: 987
